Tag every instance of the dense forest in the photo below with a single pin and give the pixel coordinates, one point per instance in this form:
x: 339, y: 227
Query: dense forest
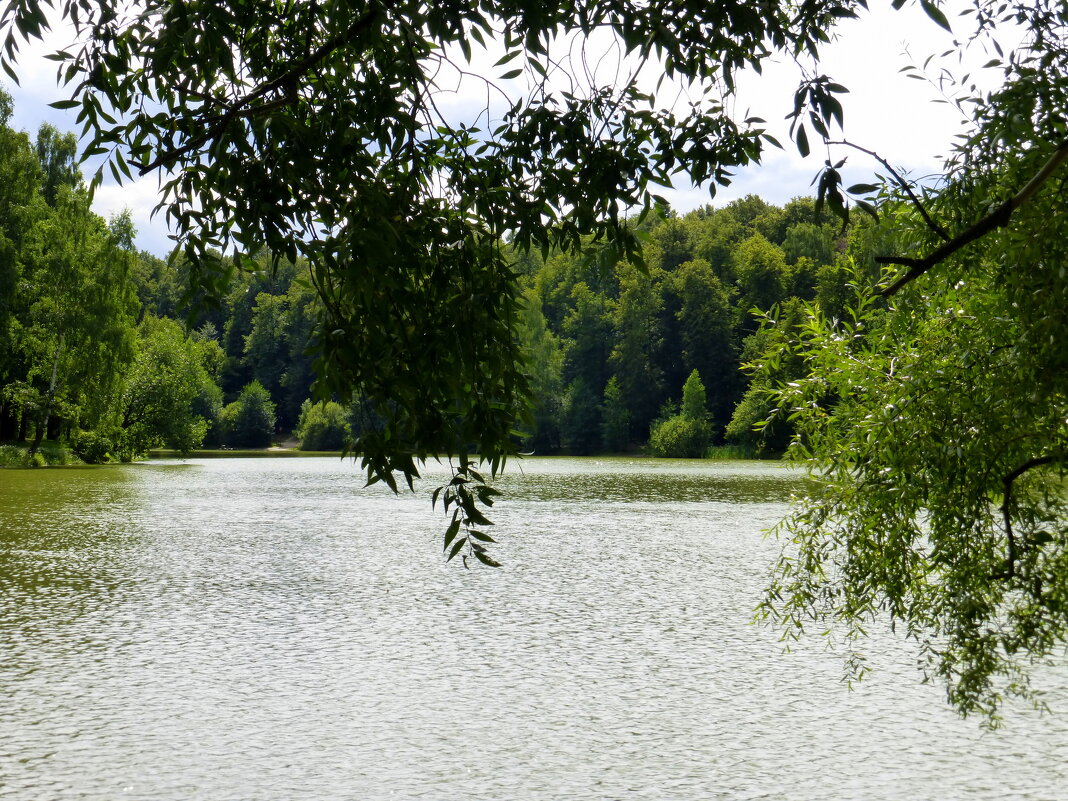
x: 104, y: 347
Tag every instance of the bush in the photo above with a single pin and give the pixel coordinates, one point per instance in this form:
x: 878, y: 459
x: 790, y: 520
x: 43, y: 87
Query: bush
x: 688, y: 434
x: 91, y: 447
x: 12, y: 456
x: 248, y: 422
x: 323, y: 427
x: 680, y: 437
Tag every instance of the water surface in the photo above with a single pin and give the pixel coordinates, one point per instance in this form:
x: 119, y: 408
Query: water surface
x: 267, y: 629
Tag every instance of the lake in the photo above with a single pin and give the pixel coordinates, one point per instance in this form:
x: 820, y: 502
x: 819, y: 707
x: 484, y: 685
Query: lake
x: 268, y: 629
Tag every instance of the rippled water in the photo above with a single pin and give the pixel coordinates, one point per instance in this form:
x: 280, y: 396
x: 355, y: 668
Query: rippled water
x: 265, y: 629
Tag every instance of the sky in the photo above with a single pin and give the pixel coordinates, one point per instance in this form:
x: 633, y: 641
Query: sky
x: 885, y: 111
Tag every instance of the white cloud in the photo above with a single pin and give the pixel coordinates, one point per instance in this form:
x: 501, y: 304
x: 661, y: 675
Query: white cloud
x: 139, y: 196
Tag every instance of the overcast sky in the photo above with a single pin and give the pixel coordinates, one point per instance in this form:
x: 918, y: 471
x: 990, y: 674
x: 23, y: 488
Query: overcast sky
x: 885, y: 111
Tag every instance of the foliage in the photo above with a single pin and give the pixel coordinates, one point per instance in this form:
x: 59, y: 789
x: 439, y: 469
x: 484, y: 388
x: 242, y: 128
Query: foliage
x: 166, y: 386
x: 694, y: 398
x: 249, y: 421
x: 680, y: 437
x: 323, y: 427
x: 688, y: 434
x: 66, y: 323
x: 615, y: 418
x: 757, y: 422
x: 49, y: 454
x: 544, y: 360
x: 702, y: 323
x: 314, y: 133
x: 760, y: 267
x: 933, y: 414
x: 582, y: 417
x: 92, y: 447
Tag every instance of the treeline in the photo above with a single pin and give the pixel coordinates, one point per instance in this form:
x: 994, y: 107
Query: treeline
x: 616, y: 352
x: 102, y: 347
x: 97, y: 344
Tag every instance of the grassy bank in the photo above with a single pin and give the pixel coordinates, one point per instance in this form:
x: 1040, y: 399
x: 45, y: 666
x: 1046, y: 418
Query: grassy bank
x: 50, y: 454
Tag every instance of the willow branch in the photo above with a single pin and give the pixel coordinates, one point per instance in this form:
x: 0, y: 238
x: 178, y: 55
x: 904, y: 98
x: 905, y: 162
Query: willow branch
x: 1008, y: 484
x: 244, y: 107
x: 938, y: 229
x: 998, y: 218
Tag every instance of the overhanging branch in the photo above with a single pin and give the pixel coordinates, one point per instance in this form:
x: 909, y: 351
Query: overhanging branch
x: 1008, y: 484
x: 998, y: 218
x: 244, y: 107
x: 938, y: 229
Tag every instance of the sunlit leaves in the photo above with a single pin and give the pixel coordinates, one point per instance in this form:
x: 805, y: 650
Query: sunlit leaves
x: 935, y: 430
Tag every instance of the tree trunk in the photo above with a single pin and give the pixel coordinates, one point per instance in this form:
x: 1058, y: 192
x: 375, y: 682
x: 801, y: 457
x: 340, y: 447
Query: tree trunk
x: 42, y: 426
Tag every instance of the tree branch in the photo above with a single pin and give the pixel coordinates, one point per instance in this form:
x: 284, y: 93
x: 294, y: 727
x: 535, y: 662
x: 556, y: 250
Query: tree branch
x: 938, y: 229
x: 1006, y: 508
x: 998, y: 218
x: 243, y: 107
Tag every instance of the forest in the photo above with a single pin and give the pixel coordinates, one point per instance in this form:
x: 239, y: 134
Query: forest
x: 105, y: 349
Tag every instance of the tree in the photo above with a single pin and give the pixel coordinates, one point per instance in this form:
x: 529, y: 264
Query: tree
x: 165, y: 389
x: 638, y: 341
x: 757, y: 423
x: 933, y: 414
x: 615, y: 418
x: 582, y: 418
x: 249, y: 421
x: 688, y: 434
x: 545, y: 361
x: 694, y: 398
x: 702, y: 312
x: 75, y: 312
x: 588, y: 328
x: 266, y: 351
x: 58, y: 154
x: 760, y: 269
x: 323, y: 427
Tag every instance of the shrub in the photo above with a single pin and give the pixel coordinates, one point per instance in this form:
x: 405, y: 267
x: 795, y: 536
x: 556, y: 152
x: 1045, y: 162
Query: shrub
x: 91, y: 446
x: 680, y: 437
x: 688, y: 434
x: 248, y: 422
x: 323, y: 427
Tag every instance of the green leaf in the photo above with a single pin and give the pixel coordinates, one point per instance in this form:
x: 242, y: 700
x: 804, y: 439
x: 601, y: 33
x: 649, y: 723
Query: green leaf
x: 456, y: 548
x: 802, y: 141
x: 10, y: 72
x: 868, y: 209
x: 65, y: 104
x: 451, y: 531
x: 511, y: 74
x: 935, y: 13
x: 486, y: 559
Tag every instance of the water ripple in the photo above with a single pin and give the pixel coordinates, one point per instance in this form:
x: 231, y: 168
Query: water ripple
x: 264, y: 629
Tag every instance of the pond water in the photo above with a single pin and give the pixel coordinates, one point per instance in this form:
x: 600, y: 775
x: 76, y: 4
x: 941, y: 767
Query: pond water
x: 268, y: 629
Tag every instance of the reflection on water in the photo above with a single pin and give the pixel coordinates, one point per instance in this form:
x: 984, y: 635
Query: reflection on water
x: 266, y: 629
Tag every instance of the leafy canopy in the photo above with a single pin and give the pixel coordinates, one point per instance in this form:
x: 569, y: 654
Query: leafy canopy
x: 322, y: 130
x: 933, y: 414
